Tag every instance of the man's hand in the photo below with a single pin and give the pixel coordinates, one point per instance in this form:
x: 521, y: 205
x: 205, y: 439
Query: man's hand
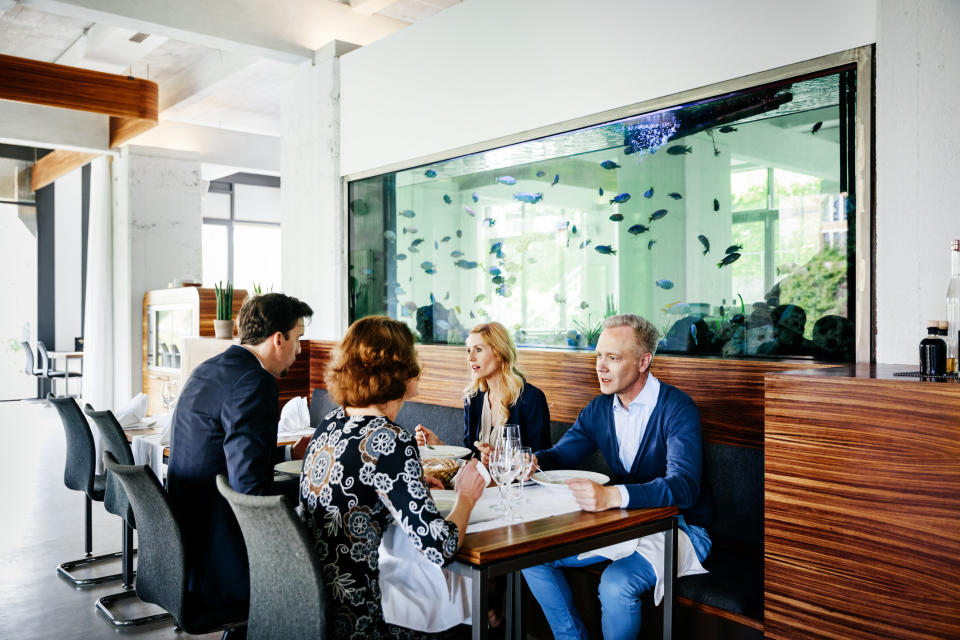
x: 591, y: 496
x: 299, y: 448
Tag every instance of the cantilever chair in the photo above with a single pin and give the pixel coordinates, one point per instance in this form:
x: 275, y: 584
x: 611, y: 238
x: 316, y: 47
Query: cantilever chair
x: 285, y: 575
x: 115, y: 502
x: 162, y: 564
x: 79, y: 474
x: 30, y: 364
x: 53, y: 374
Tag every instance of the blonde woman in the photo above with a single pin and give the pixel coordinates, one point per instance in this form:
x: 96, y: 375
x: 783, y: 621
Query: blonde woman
x: 497, y: 394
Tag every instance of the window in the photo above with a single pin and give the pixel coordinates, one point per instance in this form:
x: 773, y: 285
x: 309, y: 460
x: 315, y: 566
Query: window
x: 241, y: 232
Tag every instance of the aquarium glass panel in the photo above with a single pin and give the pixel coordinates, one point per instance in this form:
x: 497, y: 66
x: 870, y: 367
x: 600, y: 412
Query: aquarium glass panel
x: 724, y: 221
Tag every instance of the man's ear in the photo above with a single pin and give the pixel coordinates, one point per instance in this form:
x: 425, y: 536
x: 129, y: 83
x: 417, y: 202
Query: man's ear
x: 277, y: 339
x: 645, y: 361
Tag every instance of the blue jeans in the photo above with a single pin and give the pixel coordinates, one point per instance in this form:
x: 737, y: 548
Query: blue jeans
x: 621, y: 585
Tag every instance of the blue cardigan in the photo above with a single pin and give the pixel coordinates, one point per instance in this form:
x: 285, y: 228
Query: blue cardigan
x: 530, y: 411
x: 668, y: 465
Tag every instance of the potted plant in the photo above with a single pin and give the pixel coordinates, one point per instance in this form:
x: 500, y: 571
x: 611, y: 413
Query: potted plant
x: 223, y: 325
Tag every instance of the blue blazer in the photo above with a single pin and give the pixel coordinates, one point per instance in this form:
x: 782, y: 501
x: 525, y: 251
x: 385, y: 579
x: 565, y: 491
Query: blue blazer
x: 225, y: 421
x: 669, y: 463
x: 530, y: 411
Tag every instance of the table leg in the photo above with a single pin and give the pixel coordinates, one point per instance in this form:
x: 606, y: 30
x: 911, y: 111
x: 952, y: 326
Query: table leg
x: 514, y: 607
x: 669, y: 578
x: 479, y: 603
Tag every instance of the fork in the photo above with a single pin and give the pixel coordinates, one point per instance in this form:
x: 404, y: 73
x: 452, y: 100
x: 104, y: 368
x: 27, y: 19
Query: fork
x: 545, y: 474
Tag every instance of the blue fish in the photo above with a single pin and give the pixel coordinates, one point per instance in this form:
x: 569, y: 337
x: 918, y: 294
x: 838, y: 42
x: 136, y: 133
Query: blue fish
x: 456, y: 253
x: 650, y: 244
x: 505, y: 180
x: 664, y: 284
x: 432, y: 299
x: 584, y: 304
x: 617, y: 217
x: 407, y: 213
x: 497, y: 279
x: 816, y: 127
x: 401, y: 256
x: 637, y: 229
x: 573, y: 229
x: 609, y: 164
x: 407, y: 230
x: 619, y: 198
x: 540, y: 174
x: 705, y: 242
x: 679, y: 150
x: 465, y: 264
x: 496, y: 246
x: 417, y: 242
x: 470, y: 212
x: 734, y: 248
x: 656, y: 215
x: 495, y: 271
x: 674, y: 195
x: 445, y: 239
x: 447, y: 199
x: 413, y: 250
x: 489, y: 222
x: 556, y: 179
x: 428, y: 267
x: 727, y: 129
x: 730, y: 258
x: 531, y: 198
x: 648, y: 193
x: 430, y: 173
x: 459, y: 233
x: 601, y: 192
x: 503, y: 290
x: 716, y: 205
x: 475, y: 197
x: 436, y: 245
x: 605, y: 249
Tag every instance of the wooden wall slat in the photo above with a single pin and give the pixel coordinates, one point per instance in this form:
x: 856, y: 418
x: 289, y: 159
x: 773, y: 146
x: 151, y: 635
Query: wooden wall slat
x: 862, y: 508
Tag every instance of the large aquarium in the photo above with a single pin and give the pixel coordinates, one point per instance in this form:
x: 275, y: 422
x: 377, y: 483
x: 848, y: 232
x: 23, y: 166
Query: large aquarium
x: 727, y: 222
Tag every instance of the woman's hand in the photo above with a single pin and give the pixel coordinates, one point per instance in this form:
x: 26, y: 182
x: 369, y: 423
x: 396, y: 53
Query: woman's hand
x: 425, y: 436
x: 433, y: 483
x: 485, y: 451
x: 469, y: 483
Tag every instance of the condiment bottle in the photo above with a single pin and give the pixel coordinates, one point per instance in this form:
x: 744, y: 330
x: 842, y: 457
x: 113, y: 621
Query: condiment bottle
x: 933, y: 351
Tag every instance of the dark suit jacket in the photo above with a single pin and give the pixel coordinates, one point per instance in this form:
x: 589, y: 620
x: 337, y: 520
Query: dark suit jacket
x: 225, y: 421
x: 530, y: 412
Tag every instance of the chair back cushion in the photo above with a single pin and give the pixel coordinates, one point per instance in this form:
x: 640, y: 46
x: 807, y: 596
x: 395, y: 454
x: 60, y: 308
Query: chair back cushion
x: 446, y: 422
x: 320, y: 405
x: 81, y: 456
x: 30, y: 366
x: 286, y: 584
x: 112, y: 439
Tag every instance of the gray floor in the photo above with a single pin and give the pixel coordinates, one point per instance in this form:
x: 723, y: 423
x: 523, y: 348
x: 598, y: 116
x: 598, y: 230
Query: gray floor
x: 41, y: 525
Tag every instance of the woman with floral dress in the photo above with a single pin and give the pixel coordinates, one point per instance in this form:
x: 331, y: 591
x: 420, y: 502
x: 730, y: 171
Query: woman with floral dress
x: 362, y: 473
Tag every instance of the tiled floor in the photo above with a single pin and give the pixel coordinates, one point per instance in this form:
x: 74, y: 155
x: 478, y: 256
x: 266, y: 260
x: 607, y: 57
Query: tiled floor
x: 41, y: 525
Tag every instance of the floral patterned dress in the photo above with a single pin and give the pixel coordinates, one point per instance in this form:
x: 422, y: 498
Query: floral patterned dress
x: 360, y: 475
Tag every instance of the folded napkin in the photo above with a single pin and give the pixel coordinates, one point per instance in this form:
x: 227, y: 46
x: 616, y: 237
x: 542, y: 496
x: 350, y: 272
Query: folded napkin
x: 295, y: 416
x: 164, y: 424
x: 133, y: 412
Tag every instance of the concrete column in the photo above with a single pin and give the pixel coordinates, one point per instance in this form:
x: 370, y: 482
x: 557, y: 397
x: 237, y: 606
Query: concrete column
x: 313, y: 262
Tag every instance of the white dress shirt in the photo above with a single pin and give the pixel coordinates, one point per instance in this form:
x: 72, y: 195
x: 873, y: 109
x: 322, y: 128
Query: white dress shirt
x: 631, y: 423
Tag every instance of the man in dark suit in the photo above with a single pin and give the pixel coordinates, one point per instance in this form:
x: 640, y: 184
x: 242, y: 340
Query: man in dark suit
x: 225, y: 421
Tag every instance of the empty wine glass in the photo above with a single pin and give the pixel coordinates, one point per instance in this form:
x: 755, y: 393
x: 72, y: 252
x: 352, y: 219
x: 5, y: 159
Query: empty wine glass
x: 504, y: 432
x: 526, y: 460
x: 168, y: 393
x: 507, y: 464
x: 508, y: 447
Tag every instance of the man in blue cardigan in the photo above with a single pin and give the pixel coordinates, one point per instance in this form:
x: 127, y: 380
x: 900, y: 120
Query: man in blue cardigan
x: 649, y: 434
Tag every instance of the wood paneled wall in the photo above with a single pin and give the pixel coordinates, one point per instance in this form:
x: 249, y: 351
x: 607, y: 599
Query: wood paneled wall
x: 729, y: 393
x: 862, y: 508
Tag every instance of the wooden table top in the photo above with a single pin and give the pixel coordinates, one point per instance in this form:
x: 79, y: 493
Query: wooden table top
x: 489, y: 546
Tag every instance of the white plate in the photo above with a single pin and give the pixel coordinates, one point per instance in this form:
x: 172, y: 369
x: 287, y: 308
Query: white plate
x: 444, y: 499
x: 443, y: 451
x: 557, y: 477
x: 290, y: 467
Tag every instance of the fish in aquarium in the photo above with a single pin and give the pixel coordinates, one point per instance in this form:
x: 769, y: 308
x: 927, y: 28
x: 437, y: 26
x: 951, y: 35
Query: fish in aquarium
x: 475, y: 197
x: 401, y: 256
x: 428, y: 267
x: 573, y: 229
x: 456, y: 253
x: 417, y: 242
x: 556, y: 179
x: 432, y: 299
x: 540, y: 174
x: 494, y: 271
x: 390, y: 236
x: 677, y: 308
x: 445, y: 239
x: 489, y: 222
x: 583, y: 304
x: 503, y: 290
x: 609, y: 165
x: 530, y: 198
x: 447, y: 199
x: 657, y: 215
x: 727, y: 129
x: 716, y: 205
x: 447, y: 297
x: 601, y: 192
x: 479, y: 298
x: 637, y: 229
x: 679, y: 150
x: 730, y: 258
x: 436, y: 245
x: 470, y: 212
x: 506, y: 180
x: 605, y: 249
x: 650, y: 244
x: 466, y: 264
x: 620, y: 198
x: 407, y: 230
x: 705, y: 242
x: 734, y: 248
x: 816, y: 127
x: 412, y: 249
x: 459, y: 233
x: 497, y: 280
x: 648, y: 193
x: 674, y: 195
x: 617, y: 217
x: 559, y: 299
x: 585, y: 243
x: 496, y: 246
x: 472, y: 315
x: 430, y: 173
x: 664, y: 284
x: 408, y: 213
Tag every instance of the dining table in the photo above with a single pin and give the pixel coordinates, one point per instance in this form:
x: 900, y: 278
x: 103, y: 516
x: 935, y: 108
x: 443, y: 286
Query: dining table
x: 67, y: 357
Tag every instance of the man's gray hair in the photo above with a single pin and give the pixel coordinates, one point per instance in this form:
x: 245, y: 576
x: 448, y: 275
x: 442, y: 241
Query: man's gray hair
x: 644, y: 332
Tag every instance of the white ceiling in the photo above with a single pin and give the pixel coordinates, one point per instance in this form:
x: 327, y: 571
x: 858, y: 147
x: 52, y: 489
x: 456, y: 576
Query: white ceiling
x: 219, y: 63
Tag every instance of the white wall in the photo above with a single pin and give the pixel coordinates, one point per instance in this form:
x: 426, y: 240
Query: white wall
x: 918, y: 64
x: 68, y: 245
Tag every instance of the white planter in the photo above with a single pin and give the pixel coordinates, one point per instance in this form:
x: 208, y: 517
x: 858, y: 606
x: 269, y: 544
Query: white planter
x: 223, y: 329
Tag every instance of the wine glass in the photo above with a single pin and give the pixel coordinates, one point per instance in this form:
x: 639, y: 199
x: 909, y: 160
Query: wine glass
x: 505, y: 447
x: 507, y: 464
x: 168, y: 393
x: 526, y: 460
x: 505, y: 431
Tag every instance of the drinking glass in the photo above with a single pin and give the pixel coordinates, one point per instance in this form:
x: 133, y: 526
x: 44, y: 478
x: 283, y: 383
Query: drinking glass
x: 526, y: 460
x: 508, y: 464
x: 507, y: 447
x: 168, y: 393
x: 503, y: 432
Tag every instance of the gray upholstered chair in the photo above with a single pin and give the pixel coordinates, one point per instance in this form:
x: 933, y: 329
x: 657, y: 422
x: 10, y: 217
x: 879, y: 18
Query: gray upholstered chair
x: 79, y: 474
x: 286, y: 585
x: 115, y: 501
x: 161, y: 560
x: 53, y: 374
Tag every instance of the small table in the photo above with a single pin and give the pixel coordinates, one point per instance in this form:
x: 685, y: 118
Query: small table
x: 67, y: 356
x: 507, y: 550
